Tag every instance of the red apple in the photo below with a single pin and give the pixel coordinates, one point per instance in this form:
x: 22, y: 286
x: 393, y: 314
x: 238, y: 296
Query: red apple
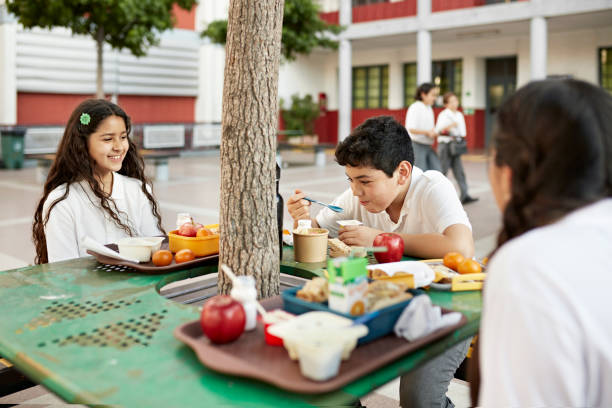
x: 198, y: 226
x: 394, y: 244
x: 222, y: 319
x: 187, y: 230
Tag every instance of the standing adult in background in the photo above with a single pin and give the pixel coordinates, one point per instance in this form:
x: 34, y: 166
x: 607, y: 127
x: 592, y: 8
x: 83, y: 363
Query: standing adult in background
x: 420, y: 124
x: 451, y: 127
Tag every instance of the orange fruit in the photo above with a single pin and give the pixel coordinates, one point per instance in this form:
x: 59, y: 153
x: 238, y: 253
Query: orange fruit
x: 452, y: 260
x: 184, y: 255
x: 204, y: 232
x: 162, y: 257
x: 469, y: 266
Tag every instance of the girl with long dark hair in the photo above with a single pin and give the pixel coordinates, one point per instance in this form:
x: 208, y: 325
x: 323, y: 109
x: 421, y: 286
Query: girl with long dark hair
x: 546, y: 333
x: 96, y: 186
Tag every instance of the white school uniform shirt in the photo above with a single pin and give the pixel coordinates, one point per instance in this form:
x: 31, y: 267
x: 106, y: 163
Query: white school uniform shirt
x: 546, y: 328
x: 80, y: 214
x: 421, y: 117
x: 448, y: 117
x: 430, y: 206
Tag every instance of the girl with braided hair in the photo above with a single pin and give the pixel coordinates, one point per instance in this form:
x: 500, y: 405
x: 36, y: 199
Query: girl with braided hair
x: 96, y: 186
x: 546, y: 332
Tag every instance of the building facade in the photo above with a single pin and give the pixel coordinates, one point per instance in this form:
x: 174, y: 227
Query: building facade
x: 480, y: 49
x: 44, y: 74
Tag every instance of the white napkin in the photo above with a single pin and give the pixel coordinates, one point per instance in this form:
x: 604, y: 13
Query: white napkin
x: 420, y: 318
x: 95, y: 246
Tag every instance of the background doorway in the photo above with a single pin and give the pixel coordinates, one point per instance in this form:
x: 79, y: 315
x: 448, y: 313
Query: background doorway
x: 501, y: 82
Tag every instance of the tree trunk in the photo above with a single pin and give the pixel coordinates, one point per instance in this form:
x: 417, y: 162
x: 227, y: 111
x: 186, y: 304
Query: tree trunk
x: 249, y: 232
x: 99, y: 70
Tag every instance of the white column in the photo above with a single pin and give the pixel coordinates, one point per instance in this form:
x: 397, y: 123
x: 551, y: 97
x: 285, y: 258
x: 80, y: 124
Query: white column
x: 538, y: 45
x: 8, y: 68
x: 423, y: 56
x: 344, y: 89
x: 211, y: 64
x: 396, y: 82
x: 345, y: 73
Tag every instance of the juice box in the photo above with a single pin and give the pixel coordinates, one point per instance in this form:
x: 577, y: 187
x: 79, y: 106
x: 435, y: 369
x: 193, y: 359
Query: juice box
x: 348, y: 285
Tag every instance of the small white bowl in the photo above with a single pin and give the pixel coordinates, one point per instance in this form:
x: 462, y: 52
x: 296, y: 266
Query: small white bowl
x: 140, y: 248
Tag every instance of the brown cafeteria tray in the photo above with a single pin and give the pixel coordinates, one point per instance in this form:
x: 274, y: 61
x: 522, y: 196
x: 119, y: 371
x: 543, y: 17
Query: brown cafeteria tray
x: 149, y: 267
x: 250, y: 356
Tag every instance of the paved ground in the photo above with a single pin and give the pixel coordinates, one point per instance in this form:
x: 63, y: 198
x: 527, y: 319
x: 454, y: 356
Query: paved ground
x: 194, y: 187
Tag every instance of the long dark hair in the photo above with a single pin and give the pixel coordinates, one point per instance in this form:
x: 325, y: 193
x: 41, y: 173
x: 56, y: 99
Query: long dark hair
x: 73, y: 164
x: 556, y: 137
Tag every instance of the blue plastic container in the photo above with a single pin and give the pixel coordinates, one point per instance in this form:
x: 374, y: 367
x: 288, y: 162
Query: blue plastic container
x: 379, y: 326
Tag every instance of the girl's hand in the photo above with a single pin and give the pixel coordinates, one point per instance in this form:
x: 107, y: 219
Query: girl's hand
x: 299, y: 209
x: 432, y: 134
x: 358, y: 235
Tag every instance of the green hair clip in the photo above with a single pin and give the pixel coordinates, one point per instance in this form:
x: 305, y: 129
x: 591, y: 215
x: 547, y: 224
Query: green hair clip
x: 85, y: 118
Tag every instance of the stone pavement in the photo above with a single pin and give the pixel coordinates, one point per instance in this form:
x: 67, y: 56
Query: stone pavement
x: 193, y: 187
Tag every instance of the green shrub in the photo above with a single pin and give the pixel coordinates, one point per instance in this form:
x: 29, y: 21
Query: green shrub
x: 301, y: 115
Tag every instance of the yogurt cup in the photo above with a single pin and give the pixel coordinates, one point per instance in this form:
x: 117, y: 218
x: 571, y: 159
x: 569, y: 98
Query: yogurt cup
x: 140, y: 248
x: 345, y: 223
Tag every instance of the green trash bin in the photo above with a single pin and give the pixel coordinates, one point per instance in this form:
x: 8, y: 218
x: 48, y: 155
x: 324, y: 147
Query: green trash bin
x: 12, y: 147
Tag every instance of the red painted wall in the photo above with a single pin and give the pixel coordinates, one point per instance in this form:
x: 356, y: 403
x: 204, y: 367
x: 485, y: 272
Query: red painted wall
x: 441, y: 5
x: 333, y: 17
x: 381, y: 11
x: 159, y: 109
x: 327, y: 126
x: 46, y: 109
x: 184, y: 19
x: 376, y: 11
x: 54, y: 109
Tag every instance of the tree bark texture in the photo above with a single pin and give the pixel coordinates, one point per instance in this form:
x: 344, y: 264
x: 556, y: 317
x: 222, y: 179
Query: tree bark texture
x: 249, y: 232
x: 99, y: 66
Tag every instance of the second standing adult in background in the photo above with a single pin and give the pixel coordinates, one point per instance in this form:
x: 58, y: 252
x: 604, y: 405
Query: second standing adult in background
x: 451, y: 125
x: 420, y: 124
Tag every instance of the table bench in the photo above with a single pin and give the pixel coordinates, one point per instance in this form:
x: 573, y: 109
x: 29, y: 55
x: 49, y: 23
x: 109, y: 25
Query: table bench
x: 158, y: 157
x: 318, y: 149
x: 101, y: 335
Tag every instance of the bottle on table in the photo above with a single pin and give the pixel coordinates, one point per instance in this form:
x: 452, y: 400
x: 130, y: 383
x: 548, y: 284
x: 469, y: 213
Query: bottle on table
x: 244, y: 291
x: 182, y: 218
x: 279, y: 213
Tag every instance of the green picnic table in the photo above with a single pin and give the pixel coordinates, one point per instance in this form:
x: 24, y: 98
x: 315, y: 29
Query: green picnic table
x: 99, y: 335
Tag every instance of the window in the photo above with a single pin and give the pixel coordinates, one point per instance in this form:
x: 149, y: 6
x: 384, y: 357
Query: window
x: 448, y: 75
x: 410, y: 82
x: 365, y: 2
x: 370, y: 87
x: 605, y: 68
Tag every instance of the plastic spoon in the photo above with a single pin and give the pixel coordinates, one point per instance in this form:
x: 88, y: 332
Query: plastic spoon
x: 334, y: 208
x: 228, y: 271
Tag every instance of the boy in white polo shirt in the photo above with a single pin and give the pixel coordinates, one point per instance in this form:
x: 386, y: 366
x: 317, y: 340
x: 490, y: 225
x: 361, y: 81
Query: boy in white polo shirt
x: 388, y: 194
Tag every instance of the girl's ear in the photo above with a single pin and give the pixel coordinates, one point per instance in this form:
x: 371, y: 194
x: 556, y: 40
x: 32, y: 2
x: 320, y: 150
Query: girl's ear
x: 500, y: 178
x: 404, y: 171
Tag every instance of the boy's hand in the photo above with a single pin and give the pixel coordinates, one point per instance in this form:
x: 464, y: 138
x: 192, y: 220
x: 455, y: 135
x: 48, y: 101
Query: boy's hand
x: 358, y: 235
x: 432, y: 134
x: 299, y: 209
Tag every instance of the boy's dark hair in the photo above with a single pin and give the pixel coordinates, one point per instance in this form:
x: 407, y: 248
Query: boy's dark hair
x: 425, y: 87
x: 380, y: 142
